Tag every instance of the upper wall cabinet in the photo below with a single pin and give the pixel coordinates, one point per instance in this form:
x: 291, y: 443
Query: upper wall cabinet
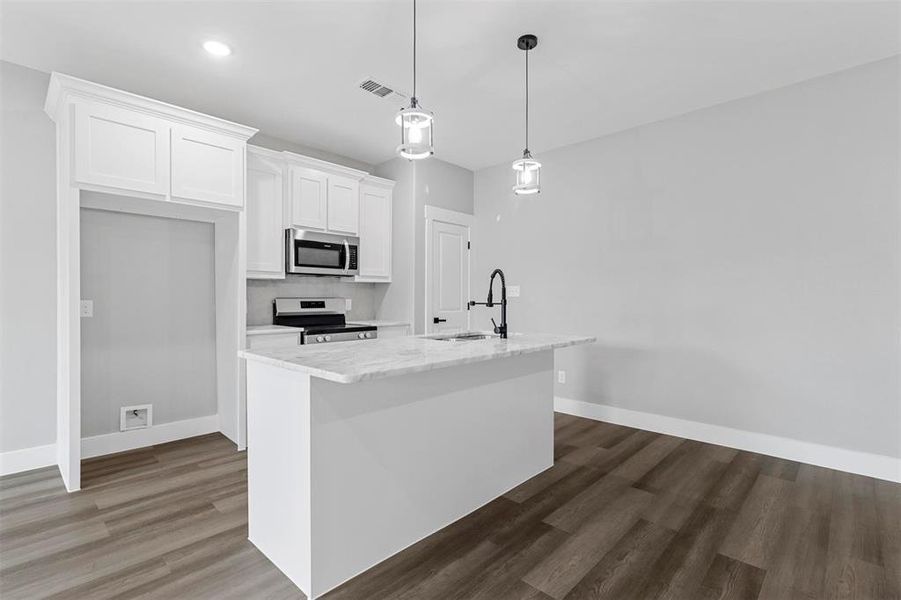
x: 376, y: 199
x: 323, y: 196
x: 122, y: 143
x: 288, y: 190
x: 120, y: 148
x: 265, y: 205
x: 207, y: 167
x: 309, y: 198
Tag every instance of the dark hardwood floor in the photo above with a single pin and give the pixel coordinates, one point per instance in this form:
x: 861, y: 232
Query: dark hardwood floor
x: 623, y: 513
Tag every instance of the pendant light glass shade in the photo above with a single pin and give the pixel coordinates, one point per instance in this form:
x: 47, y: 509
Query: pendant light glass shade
x: 415, y: 132
x: 527, y: 170
x: 528, y: 175
x: 416, y: 124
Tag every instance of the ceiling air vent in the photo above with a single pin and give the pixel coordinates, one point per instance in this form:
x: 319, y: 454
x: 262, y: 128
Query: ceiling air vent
x: 379, y: 89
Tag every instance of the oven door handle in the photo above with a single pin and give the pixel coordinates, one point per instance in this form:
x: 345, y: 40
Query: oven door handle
x: 346, y: 256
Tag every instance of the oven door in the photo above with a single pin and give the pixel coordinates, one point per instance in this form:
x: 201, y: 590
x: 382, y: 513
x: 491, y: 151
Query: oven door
x: 314, y: 253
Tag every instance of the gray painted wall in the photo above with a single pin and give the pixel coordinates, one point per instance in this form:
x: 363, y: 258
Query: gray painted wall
x: 443, y: 185
x: 419, y: 183
x: 739, y: 264
x: 152, y: 339
x: 27, y: 261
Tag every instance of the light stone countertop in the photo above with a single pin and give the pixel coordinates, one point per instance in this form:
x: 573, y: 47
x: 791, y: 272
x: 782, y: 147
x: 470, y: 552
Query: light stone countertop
x: 271, y: 329
x: 350, y: 362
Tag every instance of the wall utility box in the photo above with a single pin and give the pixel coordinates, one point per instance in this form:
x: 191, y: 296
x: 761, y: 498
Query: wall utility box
x: 135, y: 417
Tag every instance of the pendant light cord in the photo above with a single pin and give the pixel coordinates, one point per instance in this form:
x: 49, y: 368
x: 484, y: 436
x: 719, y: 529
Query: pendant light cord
x: 527, y: 100
x: 414, y: 51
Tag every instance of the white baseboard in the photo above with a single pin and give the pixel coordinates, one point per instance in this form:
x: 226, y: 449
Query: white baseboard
x: 841, y: 459
x: 26, y: 459
x: 121, y: 441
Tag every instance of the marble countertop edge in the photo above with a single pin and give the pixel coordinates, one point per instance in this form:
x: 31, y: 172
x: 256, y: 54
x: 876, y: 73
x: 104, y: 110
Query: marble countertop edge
x: 354, y: 362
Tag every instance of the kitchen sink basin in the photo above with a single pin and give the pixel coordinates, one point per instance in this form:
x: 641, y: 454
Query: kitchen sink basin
x: 465, y: 337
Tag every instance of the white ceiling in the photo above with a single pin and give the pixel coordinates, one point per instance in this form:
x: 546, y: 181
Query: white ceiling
x: 599, y: 66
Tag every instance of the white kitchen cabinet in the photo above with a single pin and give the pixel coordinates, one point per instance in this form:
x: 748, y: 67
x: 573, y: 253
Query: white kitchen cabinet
x: 376, y: 197
x: 207, y: 166
x: 323, y: 196
x: 343, y: 205
x: 120, y: 148
x: 309, y: 198
x: 265, y: 208
x: 110, y: 140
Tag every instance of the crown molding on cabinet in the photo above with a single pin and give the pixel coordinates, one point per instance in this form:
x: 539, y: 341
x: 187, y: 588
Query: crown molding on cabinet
x: 65, y: 87
x: 322, y: 165
x: 372, y: 180
x: 266, y: 152
x: 300, y: 160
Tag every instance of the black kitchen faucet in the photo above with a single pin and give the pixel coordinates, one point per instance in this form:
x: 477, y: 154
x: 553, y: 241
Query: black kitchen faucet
x: 501, y: 329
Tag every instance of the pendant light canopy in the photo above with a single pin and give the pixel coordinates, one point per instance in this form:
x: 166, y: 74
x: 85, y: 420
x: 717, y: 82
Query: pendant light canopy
x: 527, y: 170
x: 416, y: 124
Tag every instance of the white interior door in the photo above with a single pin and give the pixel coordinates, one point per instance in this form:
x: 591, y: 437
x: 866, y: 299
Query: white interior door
x: 447, y: 266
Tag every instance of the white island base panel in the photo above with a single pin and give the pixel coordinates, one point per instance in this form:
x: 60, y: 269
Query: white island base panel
x: 343, y: 476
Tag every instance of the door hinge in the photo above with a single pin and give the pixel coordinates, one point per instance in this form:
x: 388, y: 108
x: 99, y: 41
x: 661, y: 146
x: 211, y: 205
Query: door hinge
x: 468, y: 245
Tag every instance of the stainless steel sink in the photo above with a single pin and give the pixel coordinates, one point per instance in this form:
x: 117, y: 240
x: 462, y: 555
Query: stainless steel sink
x: 465, y: 337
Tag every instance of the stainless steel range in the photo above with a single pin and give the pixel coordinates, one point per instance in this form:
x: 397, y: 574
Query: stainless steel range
x: 322, y: 319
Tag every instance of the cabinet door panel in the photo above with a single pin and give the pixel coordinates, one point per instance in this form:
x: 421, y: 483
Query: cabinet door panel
x: 121, y: 149
x: 375, y: 233
x: 265, y: 236
x: 309, y: 198
x: 343, y: 205
x: 207, y: 167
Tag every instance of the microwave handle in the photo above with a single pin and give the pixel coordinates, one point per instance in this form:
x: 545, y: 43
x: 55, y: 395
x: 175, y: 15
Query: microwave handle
x: 346, y: 256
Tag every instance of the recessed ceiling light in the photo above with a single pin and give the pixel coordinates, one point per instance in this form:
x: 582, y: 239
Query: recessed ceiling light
x: 217, y: 48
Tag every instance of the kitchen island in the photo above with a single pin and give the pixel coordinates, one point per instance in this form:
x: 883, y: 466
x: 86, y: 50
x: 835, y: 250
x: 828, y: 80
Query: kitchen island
x: 357, y: 450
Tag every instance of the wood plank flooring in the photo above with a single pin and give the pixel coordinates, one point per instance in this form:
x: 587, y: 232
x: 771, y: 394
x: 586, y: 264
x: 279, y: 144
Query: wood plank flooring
x: 623, y: 513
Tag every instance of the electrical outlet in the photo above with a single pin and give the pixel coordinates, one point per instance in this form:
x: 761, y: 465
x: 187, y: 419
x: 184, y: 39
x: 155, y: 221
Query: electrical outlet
x: 513, y: 291
x: 87, y: 308
x: 561, y: 376
x: 348, y: 303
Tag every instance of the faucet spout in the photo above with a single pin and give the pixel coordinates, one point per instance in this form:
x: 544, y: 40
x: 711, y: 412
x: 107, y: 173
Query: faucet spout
x: 501, y: 329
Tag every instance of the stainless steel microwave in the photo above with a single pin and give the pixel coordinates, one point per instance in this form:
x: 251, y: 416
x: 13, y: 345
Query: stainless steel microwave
x: 315, y: 253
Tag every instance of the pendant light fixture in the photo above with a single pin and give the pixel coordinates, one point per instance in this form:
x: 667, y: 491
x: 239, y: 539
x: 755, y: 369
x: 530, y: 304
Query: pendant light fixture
x: 415, y: 123
x: 527, y: 170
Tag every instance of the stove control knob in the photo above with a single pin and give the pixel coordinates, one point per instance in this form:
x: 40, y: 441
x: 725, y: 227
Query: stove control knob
x: 368, y: 334
x: 328, y: 338
x: 362, y: 336
x: 319, y: 339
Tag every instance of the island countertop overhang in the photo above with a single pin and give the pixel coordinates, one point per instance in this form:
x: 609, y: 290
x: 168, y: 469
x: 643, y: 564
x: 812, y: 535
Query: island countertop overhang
x: 352, y: 362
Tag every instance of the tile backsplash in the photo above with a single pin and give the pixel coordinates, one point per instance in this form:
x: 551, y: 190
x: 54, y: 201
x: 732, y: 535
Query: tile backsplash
x: 261, y: 292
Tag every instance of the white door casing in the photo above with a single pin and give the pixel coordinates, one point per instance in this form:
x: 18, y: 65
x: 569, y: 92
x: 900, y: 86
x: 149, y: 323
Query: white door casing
x: 447, y: 270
